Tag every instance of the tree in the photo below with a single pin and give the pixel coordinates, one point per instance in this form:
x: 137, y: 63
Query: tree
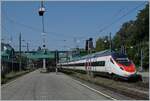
x: 135, y: 34
x: 102, y: 43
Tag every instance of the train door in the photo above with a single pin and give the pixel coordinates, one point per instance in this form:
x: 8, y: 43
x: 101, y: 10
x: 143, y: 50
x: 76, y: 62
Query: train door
x: 87, y: 65
x: 94, y: 66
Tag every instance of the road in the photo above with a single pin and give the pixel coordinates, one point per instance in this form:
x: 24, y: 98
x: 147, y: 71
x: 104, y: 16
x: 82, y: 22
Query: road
x: 47, y: 86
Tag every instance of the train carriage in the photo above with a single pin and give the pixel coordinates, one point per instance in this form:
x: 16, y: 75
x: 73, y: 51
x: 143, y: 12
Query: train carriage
x: 104, y: 62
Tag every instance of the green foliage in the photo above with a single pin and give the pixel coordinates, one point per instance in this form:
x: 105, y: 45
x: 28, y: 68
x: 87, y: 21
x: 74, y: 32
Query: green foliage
x: 102, y: 43
x: 133, y: 34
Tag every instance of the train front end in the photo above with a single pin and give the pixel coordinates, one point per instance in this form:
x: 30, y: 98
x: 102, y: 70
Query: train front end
x: 126, y: 68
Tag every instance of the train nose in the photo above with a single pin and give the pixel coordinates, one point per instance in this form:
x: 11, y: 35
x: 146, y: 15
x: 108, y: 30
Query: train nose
x: 130, y: 68
x: 126, y: 74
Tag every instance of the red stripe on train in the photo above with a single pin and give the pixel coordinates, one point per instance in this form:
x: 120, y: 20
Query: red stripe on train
x: 130, y: 68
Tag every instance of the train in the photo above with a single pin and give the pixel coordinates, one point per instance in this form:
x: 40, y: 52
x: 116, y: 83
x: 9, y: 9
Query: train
x: 110, y: 63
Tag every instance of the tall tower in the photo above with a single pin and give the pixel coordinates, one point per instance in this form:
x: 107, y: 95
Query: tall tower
x: 41, y: 13
x: 86, y: 45
x: 89, y: 44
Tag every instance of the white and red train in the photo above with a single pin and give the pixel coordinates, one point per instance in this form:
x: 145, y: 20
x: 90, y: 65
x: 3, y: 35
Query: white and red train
x: 104, y: 62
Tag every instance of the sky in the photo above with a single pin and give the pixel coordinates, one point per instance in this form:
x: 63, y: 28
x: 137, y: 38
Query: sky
x: 67, y: 23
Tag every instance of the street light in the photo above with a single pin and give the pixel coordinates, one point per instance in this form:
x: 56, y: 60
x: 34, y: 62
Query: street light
x: 41, y: 13
x: 131, y: 47
x: 56, y: 56
x: 105, y: 41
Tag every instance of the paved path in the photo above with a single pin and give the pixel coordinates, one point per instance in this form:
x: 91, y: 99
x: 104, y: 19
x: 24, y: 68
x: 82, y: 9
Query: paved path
x: 47, y: 86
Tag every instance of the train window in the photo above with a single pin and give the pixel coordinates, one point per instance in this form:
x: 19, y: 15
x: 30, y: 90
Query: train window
x: 94, y: 63
x: 124, y: 62
x: 119, y: 55
x: 111, y: 61
x: 103, y: 63
x: 100, y: 63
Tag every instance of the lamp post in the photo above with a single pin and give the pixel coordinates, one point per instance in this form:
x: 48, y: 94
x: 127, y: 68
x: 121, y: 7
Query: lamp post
x: 108, y: 43
x: 27, y: 46
x: 41, y: 13
x: 19, y: 51
x: 56, y: 54
x: 89, y: 61
x: 141, y: 67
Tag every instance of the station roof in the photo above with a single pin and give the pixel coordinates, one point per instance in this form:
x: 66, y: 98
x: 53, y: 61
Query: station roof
x: 41, y: 55
x: 6, y: 49
x: 4, y: 53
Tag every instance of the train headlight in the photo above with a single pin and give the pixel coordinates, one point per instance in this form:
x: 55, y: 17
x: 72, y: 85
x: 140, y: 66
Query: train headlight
x: 126, y: 75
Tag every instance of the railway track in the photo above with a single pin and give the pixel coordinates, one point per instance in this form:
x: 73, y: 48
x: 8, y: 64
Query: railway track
x: 135, y: 90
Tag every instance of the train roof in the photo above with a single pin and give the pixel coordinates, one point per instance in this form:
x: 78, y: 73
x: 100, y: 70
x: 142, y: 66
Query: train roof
x: 99, y: 54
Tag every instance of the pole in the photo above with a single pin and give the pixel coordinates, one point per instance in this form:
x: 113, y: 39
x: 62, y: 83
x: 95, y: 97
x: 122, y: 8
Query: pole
x: 44, y: 63
x: 43, y: 23
x: 27, y: 46
x: 42, y: 4
x: 56, y: 61
x: 11, y: 53
x: 44, y: 60
x: 90, y: 63
x: 141, y: 60
x: 110, y: 42
x: 122, y: 43
x: 12, y: 60
x: 88, y: 67
x: 20, y: 51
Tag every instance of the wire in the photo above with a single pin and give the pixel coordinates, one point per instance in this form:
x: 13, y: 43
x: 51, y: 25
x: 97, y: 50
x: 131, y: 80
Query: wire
x: 106, y: 27
x: 118, y: 12
x: 114, y: 16
x: 21, y: 24
x: 35, y: 29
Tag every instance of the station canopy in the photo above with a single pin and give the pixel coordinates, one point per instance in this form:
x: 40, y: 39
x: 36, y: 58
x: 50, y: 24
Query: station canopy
x: 40, y: 55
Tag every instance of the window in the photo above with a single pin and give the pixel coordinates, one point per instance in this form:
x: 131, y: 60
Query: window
x: 98, y: 63
x: 111, y: 60
x: 121, y: 58
x: 124, y: 62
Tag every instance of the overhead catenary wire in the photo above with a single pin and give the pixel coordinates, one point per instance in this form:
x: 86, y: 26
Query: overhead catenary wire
x: 34, y: 29
x: 115, y: 21
x: 39, y: 30
x: 5, y: 35
x: 56, y: 34
x: 58, y: 40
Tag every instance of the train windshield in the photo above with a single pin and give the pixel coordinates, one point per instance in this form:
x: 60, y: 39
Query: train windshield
x: 121, y: 58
